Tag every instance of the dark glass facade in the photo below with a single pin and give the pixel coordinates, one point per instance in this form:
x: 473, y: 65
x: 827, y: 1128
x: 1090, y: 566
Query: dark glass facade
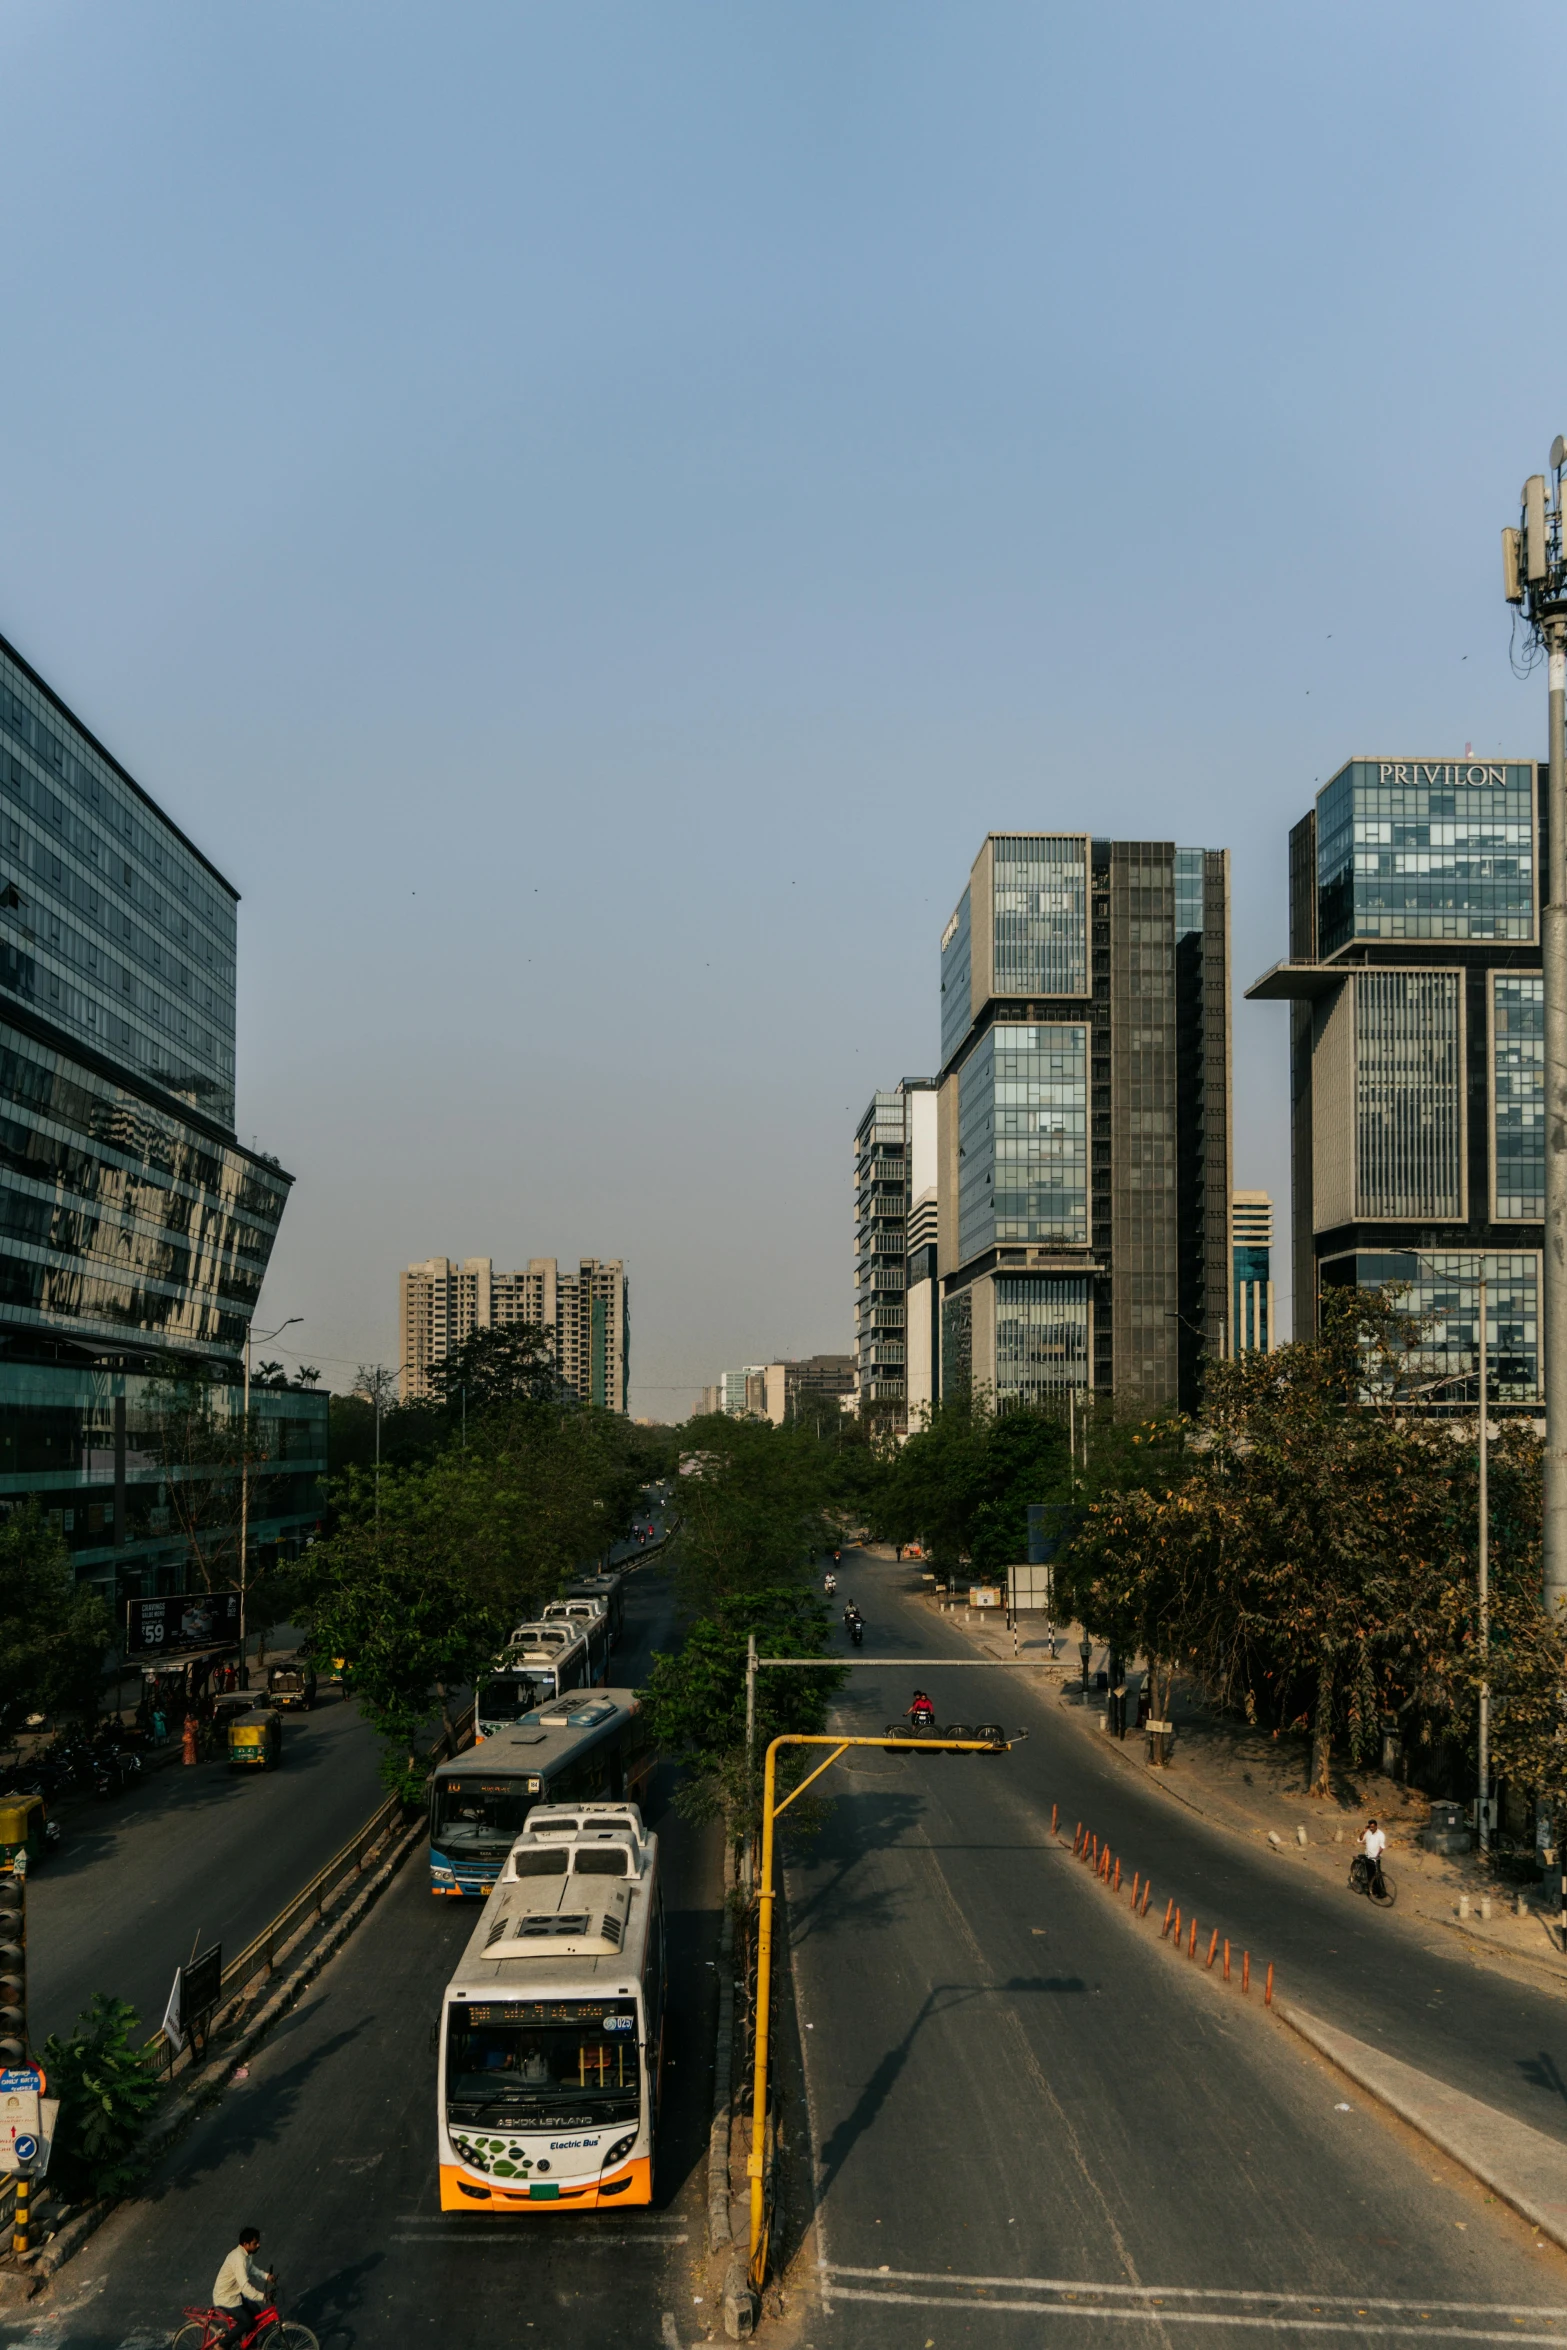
x: 1426, y: 849
x: 135, y: 1230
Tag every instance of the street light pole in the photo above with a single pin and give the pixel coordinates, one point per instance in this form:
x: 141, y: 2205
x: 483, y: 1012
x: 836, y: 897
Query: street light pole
x: 1484, y: 1579
x: 1534, y: 577
x: 267, y: 1337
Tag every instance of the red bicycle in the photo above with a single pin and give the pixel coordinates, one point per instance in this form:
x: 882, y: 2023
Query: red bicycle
x: 267, y: 2331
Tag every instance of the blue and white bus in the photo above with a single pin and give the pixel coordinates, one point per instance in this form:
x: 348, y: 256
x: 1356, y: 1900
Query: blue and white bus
x: 590, y: 1746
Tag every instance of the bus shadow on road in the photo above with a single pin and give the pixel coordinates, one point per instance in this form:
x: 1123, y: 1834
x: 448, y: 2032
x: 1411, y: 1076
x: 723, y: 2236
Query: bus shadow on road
x: 250, y: 2118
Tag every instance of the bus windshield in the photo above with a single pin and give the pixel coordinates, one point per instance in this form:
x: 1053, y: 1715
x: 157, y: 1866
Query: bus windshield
x: 476, y: 1815
x: 506, y: 1697
x: 543, y: 2076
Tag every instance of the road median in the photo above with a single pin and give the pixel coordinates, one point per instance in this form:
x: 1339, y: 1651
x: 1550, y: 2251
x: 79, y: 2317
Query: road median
x: 1520, y: 2165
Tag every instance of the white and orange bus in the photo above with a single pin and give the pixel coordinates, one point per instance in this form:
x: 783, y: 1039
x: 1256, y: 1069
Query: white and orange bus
x: 551, y: 2032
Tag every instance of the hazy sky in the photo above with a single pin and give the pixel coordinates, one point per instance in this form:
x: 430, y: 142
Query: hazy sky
x: 587, y: 514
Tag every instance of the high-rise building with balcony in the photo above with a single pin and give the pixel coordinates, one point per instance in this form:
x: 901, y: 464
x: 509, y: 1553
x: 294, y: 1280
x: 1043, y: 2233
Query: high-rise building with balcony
x: 1251, y: 1257
x: 1084, y: 1121
x: 586, y: 1315
x: 135, y: 1228
x: 894, y: 1165
x: 1417, y: 1055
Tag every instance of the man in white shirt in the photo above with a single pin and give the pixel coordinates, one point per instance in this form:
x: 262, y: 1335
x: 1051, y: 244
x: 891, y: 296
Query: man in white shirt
x: 1372, y: 1846
x: 243, y: 2287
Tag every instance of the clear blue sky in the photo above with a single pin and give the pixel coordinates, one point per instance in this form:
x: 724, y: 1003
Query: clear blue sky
x: 589, y: 513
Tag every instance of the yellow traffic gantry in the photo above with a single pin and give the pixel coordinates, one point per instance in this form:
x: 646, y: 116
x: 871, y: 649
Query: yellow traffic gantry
x: 764, y: 1934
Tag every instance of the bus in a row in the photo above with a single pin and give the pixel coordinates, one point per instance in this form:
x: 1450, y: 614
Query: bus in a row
x: 551, y: 2031
x: 585, y: 1746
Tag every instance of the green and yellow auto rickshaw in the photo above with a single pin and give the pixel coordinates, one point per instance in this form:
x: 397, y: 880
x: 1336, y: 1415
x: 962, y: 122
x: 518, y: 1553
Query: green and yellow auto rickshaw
x: 24, y: 1828
x: 255, y: 1740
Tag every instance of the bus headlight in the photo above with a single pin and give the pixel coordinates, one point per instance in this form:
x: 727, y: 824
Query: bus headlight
x: 618, y: 2152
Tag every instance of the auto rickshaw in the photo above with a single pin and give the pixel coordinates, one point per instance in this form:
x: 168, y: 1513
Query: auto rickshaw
x: 292, y: 1685
x: 24, y: 1828
x: 255, y: 1740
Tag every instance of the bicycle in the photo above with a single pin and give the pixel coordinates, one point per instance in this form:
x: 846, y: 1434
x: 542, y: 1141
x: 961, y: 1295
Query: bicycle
x: 1373, y: 1881
x: 267, y: 2331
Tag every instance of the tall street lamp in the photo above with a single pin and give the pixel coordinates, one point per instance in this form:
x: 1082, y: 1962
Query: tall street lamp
x: 1534, y: 580
x: 267, y: 1337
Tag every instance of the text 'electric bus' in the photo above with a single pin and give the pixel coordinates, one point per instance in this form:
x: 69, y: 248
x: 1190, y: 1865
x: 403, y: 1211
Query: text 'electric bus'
x: 590, y: 1746
x: 551, y: 2030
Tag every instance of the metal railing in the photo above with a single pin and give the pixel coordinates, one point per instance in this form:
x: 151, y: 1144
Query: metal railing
x: 260, y: 1956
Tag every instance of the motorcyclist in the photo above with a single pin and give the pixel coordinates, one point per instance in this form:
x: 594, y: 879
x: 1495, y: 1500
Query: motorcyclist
x: 829, y: 1582
x: 922, y: 1713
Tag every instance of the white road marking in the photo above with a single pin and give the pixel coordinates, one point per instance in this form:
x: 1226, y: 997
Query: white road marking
x: 925, y: 2276
x: 671, y: 2338
x: 1150, y: 2314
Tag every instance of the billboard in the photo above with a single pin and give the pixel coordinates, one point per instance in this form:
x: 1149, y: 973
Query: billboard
x: 184, y: 1620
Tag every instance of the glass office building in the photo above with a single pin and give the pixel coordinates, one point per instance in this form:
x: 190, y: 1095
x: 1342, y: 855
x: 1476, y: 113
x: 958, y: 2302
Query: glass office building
x: 1417, y: 1054
x: 135, y: 1229
x: 1083, y: 1144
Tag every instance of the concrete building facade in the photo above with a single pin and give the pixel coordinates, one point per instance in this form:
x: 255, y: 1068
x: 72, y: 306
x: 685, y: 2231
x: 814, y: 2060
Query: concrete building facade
x: 1417, y: 1056
x: 1084, y: 1126
x: 585, y: 1314
x: 894, y: 1168
x: 1252, y: 1329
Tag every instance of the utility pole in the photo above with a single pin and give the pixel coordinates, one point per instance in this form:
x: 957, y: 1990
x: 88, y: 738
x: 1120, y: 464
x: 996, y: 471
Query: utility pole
x: 1534, y: 574
x: 1484, y: 1579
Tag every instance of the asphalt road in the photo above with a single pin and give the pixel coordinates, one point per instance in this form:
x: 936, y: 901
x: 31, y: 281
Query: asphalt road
x: 199, y: 1855
x: 1022, y: 2104
x: 329, y: 2146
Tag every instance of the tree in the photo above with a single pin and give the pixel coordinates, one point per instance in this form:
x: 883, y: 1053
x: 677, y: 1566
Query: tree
x: 106, y: 2094
x: 695, y: 1701
x: 963, y: 1483
x: 53, y: 1633
x: 753, y: 1505
x: 1311, y: 1556
x: 512, y: 1363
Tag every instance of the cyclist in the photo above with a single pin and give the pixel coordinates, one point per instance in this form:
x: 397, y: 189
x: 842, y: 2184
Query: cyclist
x: 242, y: 2282
x: 1373, y: 1844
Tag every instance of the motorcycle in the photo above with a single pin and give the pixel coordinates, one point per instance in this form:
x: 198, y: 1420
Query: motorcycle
x: 857, y: 1631
x: 829, y: 1582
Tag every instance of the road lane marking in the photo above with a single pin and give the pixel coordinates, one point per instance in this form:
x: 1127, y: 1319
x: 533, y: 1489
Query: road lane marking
x: 924, y: 2276
x: 1160, y: 2316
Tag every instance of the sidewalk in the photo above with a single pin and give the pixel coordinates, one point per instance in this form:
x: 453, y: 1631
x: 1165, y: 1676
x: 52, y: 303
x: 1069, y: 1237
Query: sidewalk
x: 1252, y: 1784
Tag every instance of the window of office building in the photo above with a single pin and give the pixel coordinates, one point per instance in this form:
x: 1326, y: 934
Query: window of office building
x: 1425, y: 849
x: 956, y: 956
x: 1518, y: 1096
x: 1041, y: 916
x: 1408, y: 1093
x: 1023, y: 1137
x: 1441, y: 1290
x: 1041, y: 1336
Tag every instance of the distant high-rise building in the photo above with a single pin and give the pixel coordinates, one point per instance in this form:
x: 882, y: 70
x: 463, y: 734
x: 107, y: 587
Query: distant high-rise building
x: 1251, y: 1254
x: 586, y: 1315
x: 1417, y: 1056
x: 785, y: 1383
x: 1083, y: 1185
x: 894, y: 1152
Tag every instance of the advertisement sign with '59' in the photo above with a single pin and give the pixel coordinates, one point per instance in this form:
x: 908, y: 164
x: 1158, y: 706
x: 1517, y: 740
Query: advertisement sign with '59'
x: 187, y: 1619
